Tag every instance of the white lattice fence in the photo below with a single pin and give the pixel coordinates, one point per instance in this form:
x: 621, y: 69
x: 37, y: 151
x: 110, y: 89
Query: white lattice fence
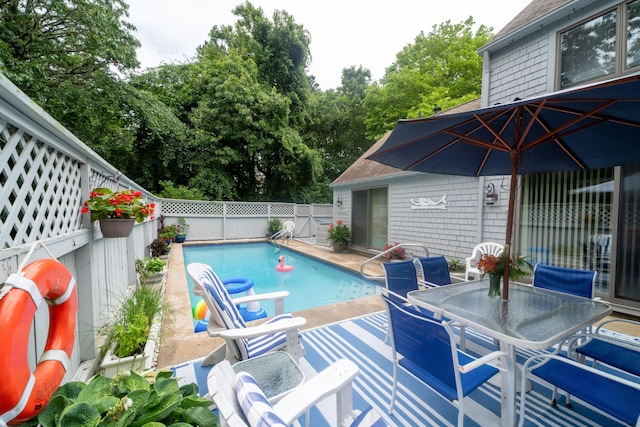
x: 40, y: 189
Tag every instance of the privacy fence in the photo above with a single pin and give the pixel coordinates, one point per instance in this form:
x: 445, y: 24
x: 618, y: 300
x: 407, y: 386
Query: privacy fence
x: 45, y: 175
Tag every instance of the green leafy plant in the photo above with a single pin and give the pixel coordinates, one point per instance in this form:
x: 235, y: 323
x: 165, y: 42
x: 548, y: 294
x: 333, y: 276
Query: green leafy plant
x: 274, y: 225
x: 456, y: 265
x: 339, y: 233
x: 128, y: 399
x: 183, y: 227
x: 148, y: 267
x: 129, y: 330
x: 168, y: 232
x: 105, y: 203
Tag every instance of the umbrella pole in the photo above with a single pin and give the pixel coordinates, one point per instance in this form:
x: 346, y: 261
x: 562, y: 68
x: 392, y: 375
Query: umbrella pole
x: 515, y: 161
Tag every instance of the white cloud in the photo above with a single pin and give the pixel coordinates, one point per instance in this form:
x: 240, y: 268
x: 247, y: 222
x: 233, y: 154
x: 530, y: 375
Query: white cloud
x: 343, y: 33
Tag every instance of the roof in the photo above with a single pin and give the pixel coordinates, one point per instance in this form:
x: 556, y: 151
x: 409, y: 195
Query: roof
x: 365, y: 169
x: 533, y: 11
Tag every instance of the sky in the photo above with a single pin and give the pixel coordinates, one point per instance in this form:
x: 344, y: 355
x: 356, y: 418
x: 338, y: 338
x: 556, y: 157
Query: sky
x: 344, y: 33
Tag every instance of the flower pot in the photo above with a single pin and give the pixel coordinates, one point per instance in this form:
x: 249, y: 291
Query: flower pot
x: 113, y: 227
x: 494, y: 285
x: 112, y: 364
x: 181, y: 238
x: 338, y: 247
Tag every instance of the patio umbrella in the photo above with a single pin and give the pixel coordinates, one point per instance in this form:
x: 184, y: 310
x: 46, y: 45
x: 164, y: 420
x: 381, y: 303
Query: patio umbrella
x: 588, y: 127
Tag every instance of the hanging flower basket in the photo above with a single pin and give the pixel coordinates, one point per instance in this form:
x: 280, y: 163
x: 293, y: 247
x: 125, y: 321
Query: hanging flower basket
x: 112, y: 228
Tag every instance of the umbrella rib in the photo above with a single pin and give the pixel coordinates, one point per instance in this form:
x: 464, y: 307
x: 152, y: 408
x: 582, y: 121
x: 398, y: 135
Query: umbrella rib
x: 557, y: 132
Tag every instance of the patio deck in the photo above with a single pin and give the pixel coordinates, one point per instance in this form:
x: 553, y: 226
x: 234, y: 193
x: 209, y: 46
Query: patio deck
x: 180, y: 344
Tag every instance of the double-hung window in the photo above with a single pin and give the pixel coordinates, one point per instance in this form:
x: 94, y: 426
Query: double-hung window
x: 601, y: 47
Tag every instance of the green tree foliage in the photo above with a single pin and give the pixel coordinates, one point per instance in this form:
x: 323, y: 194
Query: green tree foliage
x: 171, y: 191
x: 442, y: 68
x: 46, y: 44
x: 337, y: 127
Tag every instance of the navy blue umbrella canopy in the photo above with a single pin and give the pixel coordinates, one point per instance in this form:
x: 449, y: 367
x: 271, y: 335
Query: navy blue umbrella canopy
x: 588, y: 127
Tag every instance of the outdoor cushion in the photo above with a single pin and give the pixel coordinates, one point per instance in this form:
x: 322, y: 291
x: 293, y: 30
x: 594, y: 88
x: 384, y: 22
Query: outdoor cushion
x: 255, y: 406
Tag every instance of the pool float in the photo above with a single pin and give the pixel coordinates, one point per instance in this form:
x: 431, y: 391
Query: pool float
x: 283, y: 268
x: 236, y: 285
x: 23, y: 393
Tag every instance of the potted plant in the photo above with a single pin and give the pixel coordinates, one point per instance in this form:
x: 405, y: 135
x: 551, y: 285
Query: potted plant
x: 168, y: 232
x: 159, y: 248
x: 495, y: 265
x: 339, y: 235
x: 275, y: 225
x: 132, y: 336
x: 397, y: 253
x: 117, y: 211
x: 183, y: 229
x: 150, y: 270
x: 128, y: 399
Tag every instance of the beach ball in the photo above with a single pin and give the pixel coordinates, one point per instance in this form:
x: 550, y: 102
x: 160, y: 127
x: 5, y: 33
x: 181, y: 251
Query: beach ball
x: 199, y: 310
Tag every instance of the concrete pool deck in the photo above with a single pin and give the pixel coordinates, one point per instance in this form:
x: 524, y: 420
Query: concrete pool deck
x: 180, y: 344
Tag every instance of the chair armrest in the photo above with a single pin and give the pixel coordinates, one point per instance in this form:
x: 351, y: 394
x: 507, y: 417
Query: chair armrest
x: 261, y: 297
x: 336, y: 379
x: 629, y: 321
x: 263, y: 329
x: 487, y: 358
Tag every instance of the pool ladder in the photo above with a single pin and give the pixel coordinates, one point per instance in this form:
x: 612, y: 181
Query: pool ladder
x: 410, y: 249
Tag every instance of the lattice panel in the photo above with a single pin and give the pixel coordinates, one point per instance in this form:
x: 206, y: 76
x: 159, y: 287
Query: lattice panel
x: 247, y: 209
x: 303, y: 210
x: 187, y: 208
x: 567, y: 215
x: 39, y: 189
x: 283, y: 209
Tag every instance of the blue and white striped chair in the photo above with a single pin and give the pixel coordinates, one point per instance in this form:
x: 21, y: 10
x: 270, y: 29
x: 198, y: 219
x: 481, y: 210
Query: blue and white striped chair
x: 241, y: 402
x: 244, y: 342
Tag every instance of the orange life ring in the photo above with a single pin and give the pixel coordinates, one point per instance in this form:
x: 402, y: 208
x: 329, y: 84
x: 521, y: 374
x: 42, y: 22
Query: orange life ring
x: 24, y: 394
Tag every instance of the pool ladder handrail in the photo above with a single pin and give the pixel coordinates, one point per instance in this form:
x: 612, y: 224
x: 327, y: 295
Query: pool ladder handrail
x: 411, y: 246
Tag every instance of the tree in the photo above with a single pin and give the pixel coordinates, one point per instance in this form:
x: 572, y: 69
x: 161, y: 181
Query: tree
x: 442, y: 68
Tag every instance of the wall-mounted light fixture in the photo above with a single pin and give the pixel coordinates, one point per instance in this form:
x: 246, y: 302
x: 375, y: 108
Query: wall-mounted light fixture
x: 490, y: 196
x: 339, y: 201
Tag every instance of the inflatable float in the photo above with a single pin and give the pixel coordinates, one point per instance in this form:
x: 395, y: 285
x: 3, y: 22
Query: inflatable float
x: 283, y: 268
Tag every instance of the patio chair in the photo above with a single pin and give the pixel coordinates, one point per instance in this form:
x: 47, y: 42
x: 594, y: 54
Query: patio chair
x: 241, y: 402
x: 610, y: 393
x: 434, y: 271
x: 286, y: 232
x: 490, y: 248
x: 400, y: 278
x: 429, y: 352
x: 562, y: 279
x: 605, y: 348
x: 225, y: 321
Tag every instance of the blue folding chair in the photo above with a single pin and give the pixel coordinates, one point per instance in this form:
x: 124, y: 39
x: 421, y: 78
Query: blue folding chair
x: 400, y: 278
x: 429, y: 352
x: 561, y: 279
x: 435, y: 271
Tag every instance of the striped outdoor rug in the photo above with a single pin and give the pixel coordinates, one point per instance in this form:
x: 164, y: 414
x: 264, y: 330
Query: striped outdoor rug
x: 362, y: 341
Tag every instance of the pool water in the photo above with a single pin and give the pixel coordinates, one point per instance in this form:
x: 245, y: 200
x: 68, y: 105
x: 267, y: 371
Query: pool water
x: 311, y: 283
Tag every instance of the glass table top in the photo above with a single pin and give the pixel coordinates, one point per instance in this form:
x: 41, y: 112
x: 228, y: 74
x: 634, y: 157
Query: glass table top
x: 531, y: 318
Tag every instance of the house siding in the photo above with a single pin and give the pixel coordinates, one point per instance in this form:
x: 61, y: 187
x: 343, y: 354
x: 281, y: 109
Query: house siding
x: 520, y: 71
x: 452, y: 232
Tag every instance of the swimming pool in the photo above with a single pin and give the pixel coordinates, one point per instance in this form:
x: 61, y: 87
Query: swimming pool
x: 311, y: 283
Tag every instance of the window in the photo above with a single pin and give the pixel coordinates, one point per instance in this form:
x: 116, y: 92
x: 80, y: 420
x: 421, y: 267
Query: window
x: 594, y: 49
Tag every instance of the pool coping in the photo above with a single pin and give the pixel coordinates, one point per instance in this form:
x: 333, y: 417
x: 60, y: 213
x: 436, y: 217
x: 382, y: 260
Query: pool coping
x: 179, y: 343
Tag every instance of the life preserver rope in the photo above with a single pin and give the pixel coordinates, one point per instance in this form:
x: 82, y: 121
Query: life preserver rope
x: 23, y: 394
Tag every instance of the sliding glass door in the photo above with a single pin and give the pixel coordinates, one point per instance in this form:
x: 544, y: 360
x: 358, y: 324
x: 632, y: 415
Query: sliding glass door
x: 369, y: 220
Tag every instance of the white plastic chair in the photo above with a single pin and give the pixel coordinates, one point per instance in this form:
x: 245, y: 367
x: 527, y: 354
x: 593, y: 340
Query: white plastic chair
x: 286, y: 232
x: 490, y: 248
x: 233, y: 392
x: 242, y: 341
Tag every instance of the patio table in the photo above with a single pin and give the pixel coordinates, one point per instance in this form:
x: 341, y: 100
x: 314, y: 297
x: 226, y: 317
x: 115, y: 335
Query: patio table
x: 532, y: 318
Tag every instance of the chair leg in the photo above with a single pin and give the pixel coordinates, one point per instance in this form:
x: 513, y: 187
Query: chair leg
x: 395, y: 385
x: 217, y: 355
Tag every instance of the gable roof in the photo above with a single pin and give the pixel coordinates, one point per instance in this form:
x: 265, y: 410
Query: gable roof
x: 364, y: 169
x: 533, y: 11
